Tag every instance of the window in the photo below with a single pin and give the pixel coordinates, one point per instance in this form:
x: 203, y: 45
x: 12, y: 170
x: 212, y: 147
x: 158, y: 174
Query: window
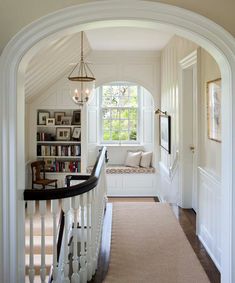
x: 119, y: 113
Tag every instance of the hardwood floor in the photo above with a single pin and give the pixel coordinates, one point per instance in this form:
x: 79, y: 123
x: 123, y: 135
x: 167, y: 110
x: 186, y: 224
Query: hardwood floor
x: 187, y: 220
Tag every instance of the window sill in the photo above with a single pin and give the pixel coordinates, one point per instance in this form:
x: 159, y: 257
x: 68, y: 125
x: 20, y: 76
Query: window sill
x: 121, y: 145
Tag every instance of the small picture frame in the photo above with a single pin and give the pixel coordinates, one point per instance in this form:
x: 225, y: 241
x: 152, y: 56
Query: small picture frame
x: 50, y: 121
x: 42, y: 116
x: 76, y: 133
x: 66, y: 120
x: 214, y: 110
x: 58, y: 117
x: 63, y: 134
x: 165, y: 132
x: 76, y: 117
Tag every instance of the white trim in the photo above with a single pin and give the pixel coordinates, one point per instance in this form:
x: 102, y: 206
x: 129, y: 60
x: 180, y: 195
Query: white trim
x: 147, y: 14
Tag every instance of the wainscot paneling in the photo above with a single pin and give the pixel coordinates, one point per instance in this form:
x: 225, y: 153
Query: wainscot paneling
x: 209, y: 216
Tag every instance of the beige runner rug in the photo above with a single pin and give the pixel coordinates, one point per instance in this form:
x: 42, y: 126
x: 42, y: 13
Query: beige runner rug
x: 148, y: 245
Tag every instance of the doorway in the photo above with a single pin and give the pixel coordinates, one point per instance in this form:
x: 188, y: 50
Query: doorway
x: 189, y: 145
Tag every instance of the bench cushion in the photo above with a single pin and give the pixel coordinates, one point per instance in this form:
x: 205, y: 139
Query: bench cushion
x: 120, y: 169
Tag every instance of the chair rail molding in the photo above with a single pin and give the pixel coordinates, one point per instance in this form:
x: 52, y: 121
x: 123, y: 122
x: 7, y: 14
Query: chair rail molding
x: 21, y: 48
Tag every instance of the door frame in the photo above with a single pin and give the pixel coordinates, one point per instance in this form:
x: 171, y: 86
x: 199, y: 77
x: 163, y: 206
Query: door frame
x: 190, y: 62
x: 216, y: 40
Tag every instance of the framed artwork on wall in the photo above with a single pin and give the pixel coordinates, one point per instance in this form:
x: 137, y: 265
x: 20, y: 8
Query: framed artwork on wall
x: 63, y: 134
x: 58, y: 117
x: 42, y: 117
x: 214, y: 110
x: 165, y: 132
x: 76, y: 117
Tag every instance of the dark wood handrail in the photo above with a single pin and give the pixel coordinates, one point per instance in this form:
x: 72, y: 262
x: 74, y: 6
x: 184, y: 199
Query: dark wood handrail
x: 70, y: 191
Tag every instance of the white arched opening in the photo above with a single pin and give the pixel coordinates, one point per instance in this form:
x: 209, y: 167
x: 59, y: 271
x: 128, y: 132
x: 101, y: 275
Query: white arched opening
x: 21, y: 48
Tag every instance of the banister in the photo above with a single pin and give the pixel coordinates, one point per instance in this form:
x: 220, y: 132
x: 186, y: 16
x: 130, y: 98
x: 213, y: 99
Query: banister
x: 70, y: 191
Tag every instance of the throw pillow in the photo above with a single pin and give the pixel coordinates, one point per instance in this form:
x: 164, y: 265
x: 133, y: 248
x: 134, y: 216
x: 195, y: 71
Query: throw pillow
x: 133, y: 159
x: 146, y: 159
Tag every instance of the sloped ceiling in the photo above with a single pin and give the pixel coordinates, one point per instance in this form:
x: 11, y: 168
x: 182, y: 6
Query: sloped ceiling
x: 51, y: 63
x: 56, y: 60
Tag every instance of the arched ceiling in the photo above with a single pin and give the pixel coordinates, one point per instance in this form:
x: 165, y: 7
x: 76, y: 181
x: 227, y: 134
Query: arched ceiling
x: 55, y: 61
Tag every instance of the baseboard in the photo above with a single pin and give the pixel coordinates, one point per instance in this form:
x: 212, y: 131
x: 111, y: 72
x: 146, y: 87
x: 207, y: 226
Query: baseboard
x: 210, y: 253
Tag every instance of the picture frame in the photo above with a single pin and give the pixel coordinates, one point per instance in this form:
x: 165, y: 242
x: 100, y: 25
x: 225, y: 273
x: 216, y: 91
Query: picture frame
x: 66, y: 120
x: 58, y: 117
x: 42, y: 116
x: 213, y: 89
x: 76, y: 117
x: 50, y: 121
x: 63, y: 134
x: 165, y: 132
x: 76, y: 133
x: 49, y: 164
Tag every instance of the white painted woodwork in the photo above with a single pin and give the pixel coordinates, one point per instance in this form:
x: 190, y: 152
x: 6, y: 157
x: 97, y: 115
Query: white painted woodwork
x: 83, y: 263
x: 89, y: 237
x: 65, y: 271
x: 132, y: 185
x: 75, y: 261
x: 20, y: 50
x: 31, y: 212
x: 209, y: 217
x: 188, y: 131
x: 42, y: 211
x: 54, y: 211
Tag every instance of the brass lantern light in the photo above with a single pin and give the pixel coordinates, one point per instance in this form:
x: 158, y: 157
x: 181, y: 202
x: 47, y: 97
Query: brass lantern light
x: 82, y: 80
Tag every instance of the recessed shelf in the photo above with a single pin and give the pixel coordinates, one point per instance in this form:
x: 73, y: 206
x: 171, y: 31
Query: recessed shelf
x: 59, y: 157
x: 58, y: 126
x: 58, y: 142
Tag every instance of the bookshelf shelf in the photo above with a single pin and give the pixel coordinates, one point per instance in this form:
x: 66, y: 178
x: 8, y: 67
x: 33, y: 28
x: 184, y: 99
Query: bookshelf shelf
x: 59, y: 145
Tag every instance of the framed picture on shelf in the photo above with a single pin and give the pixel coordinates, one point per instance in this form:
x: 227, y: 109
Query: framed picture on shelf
x: 214, y: 110
x: 42, y: 116
x: 58, y: 117
x: 76, y: 117
x: 165, y: 132
x: 63, y: 134
x: 76, y: 133
x: 66, y: 120
x: 50, y: 121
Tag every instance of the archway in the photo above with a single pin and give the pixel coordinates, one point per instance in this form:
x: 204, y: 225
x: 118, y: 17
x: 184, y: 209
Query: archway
x: 81, y: 17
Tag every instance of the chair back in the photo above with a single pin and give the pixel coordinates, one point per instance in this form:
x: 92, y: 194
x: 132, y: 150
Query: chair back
x: 38, y: 167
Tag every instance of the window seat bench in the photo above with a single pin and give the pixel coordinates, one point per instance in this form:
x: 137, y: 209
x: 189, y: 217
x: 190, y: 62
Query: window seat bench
x: 130, y: 181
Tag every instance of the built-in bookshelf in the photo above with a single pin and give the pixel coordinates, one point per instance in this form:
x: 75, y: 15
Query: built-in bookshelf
x: 59, y: 140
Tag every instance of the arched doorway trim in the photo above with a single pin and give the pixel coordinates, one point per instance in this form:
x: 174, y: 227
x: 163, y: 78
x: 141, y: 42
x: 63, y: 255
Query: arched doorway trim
x: 93, y: 15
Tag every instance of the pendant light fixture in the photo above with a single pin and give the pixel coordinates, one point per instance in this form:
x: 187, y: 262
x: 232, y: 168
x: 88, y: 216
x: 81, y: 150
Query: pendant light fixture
x: 82, y: 80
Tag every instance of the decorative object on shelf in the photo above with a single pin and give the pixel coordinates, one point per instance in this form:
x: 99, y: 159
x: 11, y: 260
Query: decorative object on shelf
x: 214, y: 110
x: 165, y: 132
x: 63, y: 134
x: 42, y: 116
x: 58, y: 117
x: 159, y: 111
x: 76, y: 117
x: 82, y: 80
x: 66, y: 120
x: 76, y: 133
x: 50, y: 121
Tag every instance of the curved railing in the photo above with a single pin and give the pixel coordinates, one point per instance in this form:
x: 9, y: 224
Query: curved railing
x: 76, y: 244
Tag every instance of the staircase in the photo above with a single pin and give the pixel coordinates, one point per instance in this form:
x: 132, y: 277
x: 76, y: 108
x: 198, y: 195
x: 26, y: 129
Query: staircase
x: 37, y: 243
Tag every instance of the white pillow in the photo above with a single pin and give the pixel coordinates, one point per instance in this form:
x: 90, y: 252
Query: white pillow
x: 133, y: 159
x: 146, y: 159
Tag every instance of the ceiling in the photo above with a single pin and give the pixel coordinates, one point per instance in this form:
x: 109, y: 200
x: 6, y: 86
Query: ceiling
x: 54, y: 61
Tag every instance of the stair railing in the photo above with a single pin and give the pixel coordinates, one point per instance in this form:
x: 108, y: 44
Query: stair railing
x: 75, y: 259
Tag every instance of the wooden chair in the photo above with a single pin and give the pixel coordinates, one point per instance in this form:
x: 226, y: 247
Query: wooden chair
x: 38, y: 175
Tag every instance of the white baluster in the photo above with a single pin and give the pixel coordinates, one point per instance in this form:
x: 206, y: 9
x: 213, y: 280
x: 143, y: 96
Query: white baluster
x: 54, y: 211
x: 89, y: 246
x: 83, y: 270
x: 42, y: 211
x: 93, y: 229
x: 31, y: 212
x: 66, y: 207
x: 75, y: 276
